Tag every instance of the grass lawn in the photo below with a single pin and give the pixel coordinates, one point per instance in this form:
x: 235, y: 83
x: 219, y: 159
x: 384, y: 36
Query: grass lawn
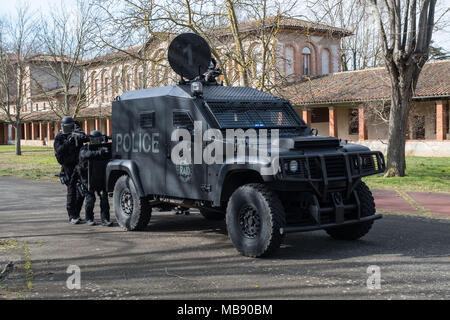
x: 423, y: 174
x: 34, y: 163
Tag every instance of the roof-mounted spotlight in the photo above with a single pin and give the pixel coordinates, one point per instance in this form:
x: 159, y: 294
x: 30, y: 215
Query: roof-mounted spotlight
x: 196, y: 89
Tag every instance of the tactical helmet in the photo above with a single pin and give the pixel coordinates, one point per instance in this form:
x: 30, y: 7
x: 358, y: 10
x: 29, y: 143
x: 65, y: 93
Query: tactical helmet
x: 96, y: 137
x: 67, y: 124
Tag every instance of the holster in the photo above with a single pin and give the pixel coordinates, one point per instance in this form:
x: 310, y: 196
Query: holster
x: 82, y: 188
x: 63, y: 177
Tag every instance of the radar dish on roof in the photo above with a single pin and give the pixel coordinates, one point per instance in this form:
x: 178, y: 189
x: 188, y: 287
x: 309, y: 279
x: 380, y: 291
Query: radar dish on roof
x: 189, y: 55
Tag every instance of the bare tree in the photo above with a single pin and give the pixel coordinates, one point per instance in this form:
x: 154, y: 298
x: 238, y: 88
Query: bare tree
x: 17, y: 40
x: 224, y: 24
x: 361, y: 50
x: 131, y: 28
x: 65, y: 38
x: 405, y: 29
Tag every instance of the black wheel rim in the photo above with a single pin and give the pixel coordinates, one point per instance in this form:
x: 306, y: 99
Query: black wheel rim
x: 250, y: 221
x: 126, y: 202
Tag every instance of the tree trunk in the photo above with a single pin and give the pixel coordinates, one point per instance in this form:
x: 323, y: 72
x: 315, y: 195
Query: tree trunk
x: 18, y: 138
x: 402, y: 94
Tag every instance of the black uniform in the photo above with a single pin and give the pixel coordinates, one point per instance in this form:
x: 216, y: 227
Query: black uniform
x: 85, y: 156
x: 67, y: 152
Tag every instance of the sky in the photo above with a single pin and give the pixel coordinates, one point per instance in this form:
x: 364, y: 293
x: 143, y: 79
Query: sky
x: 442, y: 38
x: 9, y: 6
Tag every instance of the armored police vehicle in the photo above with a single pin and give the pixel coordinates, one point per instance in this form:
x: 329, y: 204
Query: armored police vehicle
x: 234, y: 153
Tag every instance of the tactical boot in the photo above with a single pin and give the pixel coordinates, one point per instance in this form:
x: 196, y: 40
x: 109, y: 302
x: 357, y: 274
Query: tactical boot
x: 107, y: 223
x: 75, y: 221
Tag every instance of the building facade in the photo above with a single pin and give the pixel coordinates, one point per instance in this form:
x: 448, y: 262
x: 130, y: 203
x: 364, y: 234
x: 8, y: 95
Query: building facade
x: 351, y: 105
x: 303, y: 50
x: 354, y: 106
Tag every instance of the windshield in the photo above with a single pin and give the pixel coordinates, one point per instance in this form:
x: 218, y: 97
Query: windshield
x: 255, y: 115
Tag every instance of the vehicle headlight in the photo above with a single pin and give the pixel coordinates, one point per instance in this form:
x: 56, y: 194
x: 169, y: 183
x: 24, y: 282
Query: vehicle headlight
x: 293, y: 166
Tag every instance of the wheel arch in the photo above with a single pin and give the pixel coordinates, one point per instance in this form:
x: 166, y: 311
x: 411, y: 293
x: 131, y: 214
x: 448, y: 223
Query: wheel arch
x: 235, y: 178
x: 117, y: 168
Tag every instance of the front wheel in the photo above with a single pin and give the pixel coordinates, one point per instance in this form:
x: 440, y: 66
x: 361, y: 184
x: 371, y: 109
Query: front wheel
x: 357, y: 230
x: 254, y: 217
x: 132, y: 212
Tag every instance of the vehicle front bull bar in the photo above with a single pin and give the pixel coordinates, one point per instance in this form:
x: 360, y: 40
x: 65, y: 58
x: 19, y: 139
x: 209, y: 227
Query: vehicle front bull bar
x: 285, y: 230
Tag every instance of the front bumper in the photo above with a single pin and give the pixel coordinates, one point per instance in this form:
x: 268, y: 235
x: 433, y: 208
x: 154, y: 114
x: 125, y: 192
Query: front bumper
x: 292, y: 229
x: 332, y: 172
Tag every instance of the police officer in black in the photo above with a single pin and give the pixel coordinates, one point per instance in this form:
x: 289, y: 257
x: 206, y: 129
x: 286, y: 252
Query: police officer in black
x: 91, y: 152
x: 67, y: 147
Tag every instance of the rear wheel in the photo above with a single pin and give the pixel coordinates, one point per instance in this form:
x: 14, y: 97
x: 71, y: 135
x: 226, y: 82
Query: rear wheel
x: 357, y: 230
x: 132, y: 212
x: 254, y: 218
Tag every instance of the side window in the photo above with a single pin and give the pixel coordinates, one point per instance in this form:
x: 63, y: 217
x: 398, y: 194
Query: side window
x: 147, y: 120
x: 182, y: 119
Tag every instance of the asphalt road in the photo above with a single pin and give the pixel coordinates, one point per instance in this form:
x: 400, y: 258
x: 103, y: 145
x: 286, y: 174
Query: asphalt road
x: 188, y: 257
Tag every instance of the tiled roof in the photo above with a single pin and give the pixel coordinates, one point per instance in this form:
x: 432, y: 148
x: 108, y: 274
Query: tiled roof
x: 89, y: 112
x: 367, y: 85
x: 112, y: 56
x: 285, y: 23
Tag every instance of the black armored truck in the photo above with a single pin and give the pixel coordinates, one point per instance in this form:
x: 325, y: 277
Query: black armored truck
x: 233, y: 153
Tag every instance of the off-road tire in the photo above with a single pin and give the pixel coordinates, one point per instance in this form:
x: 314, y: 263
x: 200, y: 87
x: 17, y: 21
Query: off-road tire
x: 357, y: 230
x: 132, y: 212
x: 212, y: 215
x: 257, y: 201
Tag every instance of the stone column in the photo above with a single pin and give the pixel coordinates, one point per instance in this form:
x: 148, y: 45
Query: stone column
x: 87, y: 129
x: 108, y: 127
x: 333, y: 123
x: 33, y: 131
x: 13, y: 133
x: 58, y: 127
x: 41, y: 131
x: 26, y: 131
x: 362, y: 124
x: 2, y: 138
x: 49, y: 131
x: 306, y: 115
x: 441, y: 124
x: 97, y: 124
x: 5, y: 133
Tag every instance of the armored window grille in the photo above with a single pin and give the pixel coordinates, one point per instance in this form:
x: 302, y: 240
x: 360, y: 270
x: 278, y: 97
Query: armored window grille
x: 182, y: 119
x: 147, y: 120
x: 254, y: 115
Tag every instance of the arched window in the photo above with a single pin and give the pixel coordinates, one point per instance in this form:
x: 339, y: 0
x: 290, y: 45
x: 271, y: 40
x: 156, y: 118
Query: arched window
x: 104, y: 86
x: 115, y: 81
x: 325, y: 61
x: 94, y: 88
x: 129, y: 80
x: 306, y: 58
x: 289, y: 56
x: 106, y: 92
